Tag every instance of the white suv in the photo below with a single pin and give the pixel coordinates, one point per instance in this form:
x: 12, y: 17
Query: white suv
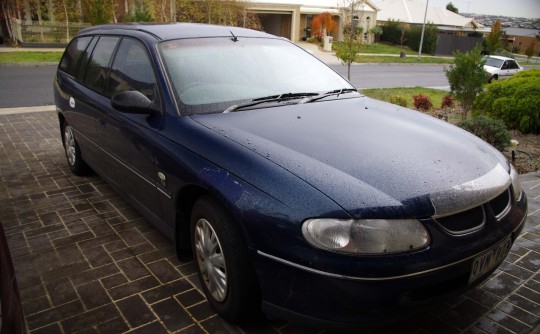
x: 498, y: 67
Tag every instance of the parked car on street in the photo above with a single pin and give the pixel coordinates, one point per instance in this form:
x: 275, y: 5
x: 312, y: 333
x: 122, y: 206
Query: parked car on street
x: 498, y: 67
x: 298, y: 195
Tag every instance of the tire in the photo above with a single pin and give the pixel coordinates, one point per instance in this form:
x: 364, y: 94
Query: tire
x: 222, y: 260
x: 73, y: 152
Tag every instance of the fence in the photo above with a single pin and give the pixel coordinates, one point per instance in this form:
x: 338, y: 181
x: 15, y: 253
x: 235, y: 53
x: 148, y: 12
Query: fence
x: 447, y: 44
x: 46, y: 33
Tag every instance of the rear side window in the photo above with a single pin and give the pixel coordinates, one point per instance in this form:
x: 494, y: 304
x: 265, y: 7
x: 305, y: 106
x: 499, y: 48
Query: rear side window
x: 71, y: 60
x: 132, y: 70
x: 98, y: 65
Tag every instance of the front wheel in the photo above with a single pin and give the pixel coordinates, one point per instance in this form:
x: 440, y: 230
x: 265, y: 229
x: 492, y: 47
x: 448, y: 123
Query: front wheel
x: 223, y: 263
x: 73, y: 152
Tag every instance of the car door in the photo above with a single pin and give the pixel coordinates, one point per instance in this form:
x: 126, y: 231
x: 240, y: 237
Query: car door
x: 72, y: 97
x: 128, y: 138
x: 505, y: 70
x: 513, y: 67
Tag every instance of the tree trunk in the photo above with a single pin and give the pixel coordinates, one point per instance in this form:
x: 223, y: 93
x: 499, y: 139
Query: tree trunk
x: 113, y: 11
x: 8, y: 21
x: 67, y: 20
x: 50, y: 10
x: 27, y: 11
x: 40, y: 20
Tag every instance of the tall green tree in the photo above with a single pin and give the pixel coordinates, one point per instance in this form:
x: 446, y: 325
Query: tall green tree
x: 98, y: 11
x: 466, y: 77
x: 493, y: 41
x: 450, y: 6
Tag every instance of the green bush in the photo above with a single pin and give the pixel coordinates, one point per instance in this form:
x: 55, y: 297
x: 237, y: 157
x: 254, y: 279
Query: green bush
x: 491, y: 130
x: 515, y: 101
x: 399, y: 100
x: 414, y: 34
x: 392, y: 31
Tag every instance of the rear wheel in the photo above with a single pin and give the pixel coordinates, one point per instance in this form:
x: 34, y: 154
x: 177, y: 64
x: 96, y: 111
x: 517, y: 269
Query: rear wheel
x: 73, y: 152
x: 223, y: 263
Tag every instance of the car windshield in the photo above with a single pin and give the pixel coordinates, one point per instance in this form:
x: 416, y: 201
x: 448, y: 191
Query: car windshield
x: 209, y: 75
x: 494, y: 62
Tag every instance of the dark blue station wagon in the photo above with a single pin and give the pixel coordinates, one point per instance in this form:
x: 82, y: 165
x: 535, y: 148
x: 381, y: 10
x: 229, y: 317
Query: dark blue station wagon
x: 297, y: 195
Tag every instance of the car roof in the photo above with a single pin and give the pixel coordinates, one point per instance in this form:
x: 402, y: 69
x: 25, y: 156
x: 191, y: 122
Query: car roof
x: 500, y: 57
x: 174, y: 30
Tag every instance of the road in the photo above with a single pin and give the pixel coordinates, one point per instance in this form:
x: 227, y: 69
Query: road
x: 26, y: 86
x: 395, y: 75
x: 32, y: 86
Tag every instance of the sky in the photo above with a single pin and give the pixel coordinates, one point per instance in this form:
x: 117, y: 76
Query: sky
x: 516, y: 8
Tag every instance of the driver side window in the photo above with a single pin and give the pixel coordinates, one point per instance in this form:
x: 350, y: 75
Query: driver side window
x: 132, y: 70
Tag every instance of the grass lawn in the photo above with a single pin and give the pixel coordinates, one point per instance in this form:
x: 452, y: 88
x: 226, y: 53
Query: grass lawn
x: 29, y: 57
x: 386, y: 49
x: 384, y: 94
x: 407, y: 60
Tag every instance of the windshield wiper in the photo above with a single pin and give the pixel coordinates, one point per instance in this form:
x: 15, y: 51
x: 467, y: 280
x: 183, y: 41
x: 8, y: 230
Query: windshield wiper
x: 336, y: 92
x: 271, y: 98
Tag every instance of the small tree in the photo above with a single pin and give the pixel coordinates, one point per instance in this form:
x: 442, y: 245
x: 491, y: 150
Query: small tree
x: 529, y: 51
x: 349, y: 48
x: 377, y: 31
x: 494, y: 39
x: 452, y: 8
x: 466, y: 77
x: 323, y: 24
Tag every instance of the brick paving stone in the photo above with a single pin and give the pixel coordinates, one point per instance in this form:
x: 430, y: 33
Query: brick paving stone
x: 136, y: 311
x: 174, y: 317
x: 87, y: 262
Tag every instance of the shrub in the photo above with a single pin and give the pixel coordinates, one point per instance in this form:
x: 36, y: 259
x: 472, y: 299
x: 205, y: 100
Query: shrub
x: 392, y: 31
x: 515, y: 101
x: 491, y: 130
x: 422, y: 102
x: 399, y: 100
x: 448, y: 102
x: 466, y: 78
x: 429, y: 44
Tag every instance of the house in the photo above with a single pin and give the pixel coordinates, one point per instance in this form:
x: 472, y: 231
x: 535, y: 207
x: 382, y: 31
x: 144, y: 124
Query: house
x: 412, y: 12
x: 292, y: 18
x: 518, y: 39
x: 455, y: 32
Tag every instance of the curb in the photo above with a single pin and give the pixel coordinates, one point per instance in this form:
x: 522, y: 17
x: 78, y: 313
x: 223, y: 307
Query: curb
x: 36, y: 64
x: 25, y: 110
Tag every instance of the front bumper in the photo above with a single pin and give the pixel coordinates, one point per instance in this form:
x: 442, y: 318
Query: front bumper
x: 327, y: 300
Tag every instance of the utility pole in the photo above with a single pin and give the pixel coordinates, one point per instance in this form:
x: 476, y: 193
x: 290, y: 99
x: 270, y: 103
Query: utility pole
x: 423, y: 30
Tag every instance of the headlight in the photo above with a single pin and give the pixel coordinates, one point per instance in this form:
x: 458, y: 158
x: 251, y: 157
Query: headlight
x: 366, y: 236
x: 516, y: 184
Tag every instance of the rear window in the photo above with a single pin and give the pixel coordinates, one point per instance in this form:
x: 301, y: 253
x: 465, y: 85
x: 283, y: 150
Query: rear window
x: 71, y: 60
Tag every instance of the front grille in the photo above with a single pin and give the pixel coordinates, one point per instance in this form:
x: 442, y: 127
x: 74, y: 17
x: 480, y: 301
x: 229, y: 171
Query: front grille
x: 473, y: 219
x: 501, y: 204
x: 463, y: 222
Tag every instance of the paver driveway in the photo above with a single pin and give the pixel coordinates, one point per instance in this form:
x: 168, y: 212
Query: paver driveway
x: 87, y: 262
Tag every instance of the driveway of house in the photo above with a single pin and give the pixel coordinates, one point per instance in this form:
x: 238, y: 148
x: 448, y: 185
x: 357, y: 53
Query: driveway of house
x: 86, y: 262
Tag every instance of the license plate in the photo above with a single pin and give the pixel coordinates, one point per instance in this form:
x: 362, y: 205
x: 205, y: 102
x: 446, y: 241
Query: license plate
x: 489, y: 259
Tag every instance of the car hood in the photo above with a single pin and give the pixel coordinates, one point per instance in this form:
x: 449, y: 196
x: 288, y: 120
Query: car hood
x: 373, y: 159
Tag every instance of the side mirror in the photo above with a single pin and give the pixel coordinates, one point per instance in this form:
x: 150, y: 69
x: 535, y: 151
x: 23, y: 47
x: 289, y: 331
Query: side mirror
x: 133, y: 102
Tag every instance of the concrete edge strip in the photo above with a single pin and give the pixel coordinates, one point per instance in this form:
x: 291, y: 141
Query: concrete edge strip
x: 25, y: 110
